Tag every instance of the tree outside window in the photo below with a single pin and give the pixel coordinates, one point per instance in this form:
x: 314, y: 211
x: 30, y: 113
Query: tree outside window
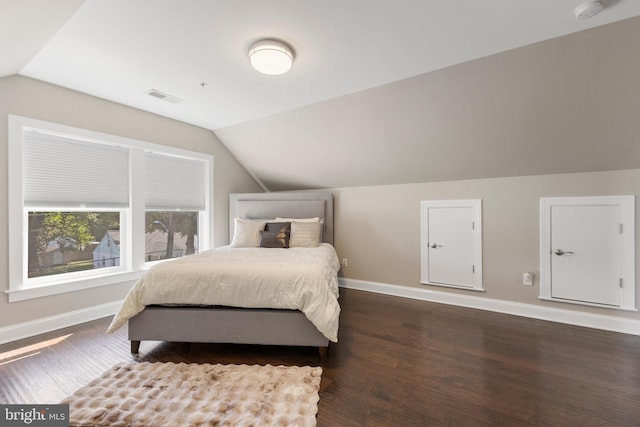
x: 63, y: 242
x: 170, y: 234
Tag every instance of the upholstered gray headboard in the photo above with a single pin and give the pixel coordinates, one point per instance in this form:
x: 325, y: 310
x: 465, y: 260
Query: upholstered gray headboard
x: 284, y: 205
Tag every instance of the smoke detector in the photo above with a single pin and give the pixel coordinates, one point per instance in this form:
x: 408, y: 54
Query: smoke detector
x: 588, y: 9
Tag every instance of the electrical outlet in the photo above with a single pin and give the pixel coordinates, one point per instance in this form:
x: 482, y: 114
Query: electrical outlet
x: 345, y: 262
x: 527, y: 278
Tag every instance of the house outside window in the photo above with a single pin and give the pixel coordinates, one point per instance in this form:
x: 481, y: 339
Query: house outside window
x: 170, y: 234
x: 107, y: 251
x: 97, y: 208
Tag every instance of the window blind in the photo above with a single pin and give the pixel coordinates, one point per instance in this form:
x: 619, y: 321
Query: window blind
x: 174, y: 183
x: 69, y: 172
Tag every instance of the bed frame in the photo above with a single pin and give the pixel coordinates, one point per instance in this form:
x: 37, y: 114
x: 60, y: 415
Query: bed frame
x: 242, y: 325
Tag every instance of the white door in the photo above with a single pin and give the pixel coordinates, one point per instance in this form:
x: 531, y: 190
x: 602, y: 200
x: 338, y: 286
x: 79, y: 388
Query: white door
x: 451, y: 243
x: 587, y: 250
x: 586, y: 253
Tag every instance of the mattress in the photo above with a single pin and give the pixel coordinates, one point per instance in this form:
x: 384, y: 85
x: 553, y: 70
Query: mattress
x: 302, y: 279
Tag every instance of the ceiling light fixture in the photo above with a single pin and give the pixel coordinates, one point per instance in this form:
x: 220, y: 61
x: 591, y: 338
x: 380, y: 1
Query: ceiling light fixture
x: 271, y: 57
x: 588, y: 9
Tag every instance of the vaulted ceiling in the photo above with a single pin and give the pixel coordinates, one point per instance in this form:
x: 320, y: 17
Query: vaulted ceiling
x: 381, y: 92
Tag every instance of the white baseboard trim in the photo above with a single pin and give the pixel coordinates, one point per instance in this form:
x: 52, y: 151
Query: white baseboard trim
x: 571, y: 317
x: 52, y: 323
x: 589, y: 320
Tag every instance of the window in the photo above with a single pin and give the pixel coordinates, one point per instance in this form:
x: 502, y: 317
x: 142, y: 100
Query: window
x: 173, y: 198
x: 65, y: 242
x: 96, y: 208
x: 170, y: 234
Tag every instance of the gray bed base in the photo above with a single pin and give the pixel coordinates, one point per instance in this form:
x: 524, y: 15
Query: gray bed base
x: 225, y: 325
x: 242, y: 325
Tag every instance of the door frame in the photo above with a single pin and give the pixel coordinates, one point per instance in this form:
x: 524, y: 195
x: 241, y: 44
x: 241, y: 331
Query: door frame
x: 627, y: 219
x: 476, y: 206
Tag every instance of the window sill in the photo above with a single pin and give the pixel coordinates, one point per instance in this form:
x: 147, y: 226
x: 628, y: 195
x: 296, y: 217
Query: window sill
x: 23, y: 294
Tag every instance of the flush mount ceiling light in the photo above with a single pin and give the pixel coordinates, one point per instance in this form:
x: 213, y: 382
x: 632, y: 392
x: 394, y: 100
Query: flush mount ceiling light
x: 589, y: 9
x: 271, y: 57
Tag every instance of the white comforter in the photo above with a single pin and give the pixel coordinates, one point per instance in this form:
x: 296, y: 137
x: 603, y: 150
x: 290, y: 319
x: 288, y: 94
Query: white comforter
x: 302, y: 279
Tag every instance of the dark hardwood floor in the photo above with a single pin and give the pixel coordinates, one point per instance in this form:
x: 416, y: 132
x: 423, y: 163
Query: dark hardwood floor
x: 399, y: 362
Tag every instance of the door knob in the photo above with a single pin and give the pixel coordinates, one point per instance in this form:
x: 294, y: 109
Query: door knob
x: 560, y: 252
x: 434, y: 246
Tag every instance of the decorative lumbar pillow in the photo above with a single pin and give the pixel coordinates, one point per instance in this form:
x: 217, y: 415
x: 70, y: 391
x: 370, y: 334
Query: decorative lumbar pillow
x: 305, y: 234
x: 275, y: 235
x: 246, y: 233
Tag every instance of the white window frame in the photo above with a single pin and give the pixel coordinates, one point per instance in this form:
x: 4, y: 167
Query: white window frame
x: 132, y: 218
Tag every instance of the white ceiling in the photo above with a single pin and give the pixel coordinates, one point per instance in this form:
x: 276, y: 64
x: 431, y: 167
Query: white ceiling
x: 119, y: 49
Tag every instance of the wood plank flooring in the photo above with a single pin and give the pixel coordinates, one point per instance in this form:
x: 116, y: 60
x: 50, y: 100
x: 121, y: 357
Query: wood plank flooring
x: 399, y: 362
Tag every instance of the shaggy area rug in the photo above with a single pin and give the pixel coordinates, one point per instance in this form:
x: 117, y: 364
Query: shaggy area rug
x: 188, y: 394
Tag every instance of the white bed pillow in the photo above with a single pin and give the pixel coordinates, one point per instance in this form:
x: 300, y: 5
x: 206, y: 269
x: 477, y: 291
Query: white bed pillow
x: 306, y: 233
x: 246, y: 233
x: 314, y: 219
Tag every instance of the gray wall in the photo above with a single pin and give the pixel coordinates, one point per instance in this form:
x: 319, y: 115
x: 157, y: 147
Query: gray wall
x: 378, y: 229
x: 564, y: 105
x: 35, y: 99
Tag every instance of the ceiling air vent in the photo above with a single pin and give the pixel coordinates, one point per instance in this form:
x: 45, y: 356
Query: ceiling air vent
x: 164, y: 96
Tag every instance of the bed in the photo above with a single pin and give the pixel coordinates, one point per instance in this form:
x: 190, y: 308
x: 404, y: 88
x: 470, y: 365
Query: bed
x: 303, y: 311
